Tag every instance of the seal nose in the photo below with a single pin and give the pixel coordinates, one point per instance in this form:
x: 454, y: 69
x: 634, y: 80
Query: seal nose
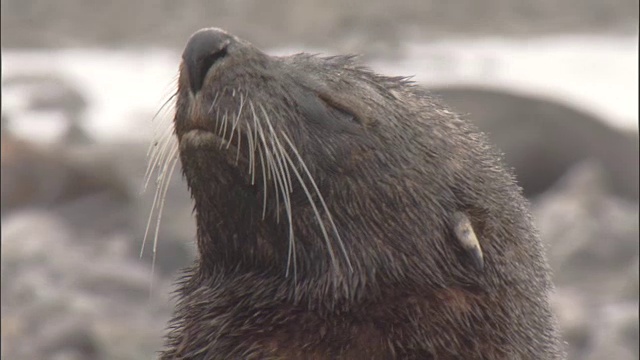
x: 204, y: 48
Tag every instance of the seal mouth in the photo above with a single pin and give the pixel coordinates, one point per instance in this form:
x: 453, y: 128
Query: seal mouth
x: 203, y: 145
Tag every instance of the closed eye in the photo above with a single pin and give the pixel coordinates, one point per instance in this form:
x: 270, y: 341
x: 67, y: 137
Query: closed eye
x: 339, y: 111
x: 341, y: 114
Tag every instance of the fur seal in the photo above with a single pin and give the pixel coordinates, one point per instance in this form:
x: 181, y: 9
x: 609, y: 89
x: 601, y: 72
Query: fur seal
x: 543, y: 138
x: 335, y: 210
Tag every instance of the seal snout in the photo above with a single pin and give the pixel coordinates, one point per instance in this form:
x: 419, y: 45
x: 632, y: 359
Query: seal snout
x: 204, y: 49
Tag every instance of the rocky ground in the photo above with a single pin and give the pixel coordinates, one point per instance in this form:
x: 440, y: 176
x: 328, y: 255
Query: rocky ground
x: 592, y: 238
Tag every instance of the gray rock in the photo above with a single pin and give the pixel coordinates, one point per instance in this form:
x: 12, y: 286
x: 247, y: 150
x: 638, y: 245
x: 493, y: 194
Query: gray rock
x: 592, y: 238
x: 63, y: 298
x: 88, y: 196
x: 46, y: 92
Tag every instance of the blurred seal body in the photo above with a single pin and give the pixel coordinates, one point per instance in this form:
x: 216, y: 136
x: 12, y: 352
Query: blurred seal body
x: 326, y: 200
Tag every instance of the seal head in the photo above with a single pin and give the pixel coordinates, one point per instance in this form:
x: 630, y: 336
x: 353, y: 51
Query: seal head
x: 326, y: 199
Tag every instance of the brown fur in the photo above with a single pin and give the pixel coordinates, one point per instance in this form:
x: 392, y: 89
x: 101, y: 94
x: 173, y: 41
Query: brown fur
x: 392, y: 166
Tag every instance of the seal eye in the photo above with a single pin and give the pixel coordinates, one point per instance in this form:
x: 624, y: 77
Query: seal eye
x: 342, y: 114
x: 322, y: 113
x: 338, y: 110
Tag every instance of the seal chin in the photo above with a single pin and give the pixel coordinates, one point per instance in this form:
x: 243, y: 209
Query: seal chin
x: 213, y: 146
x: 203, y: 139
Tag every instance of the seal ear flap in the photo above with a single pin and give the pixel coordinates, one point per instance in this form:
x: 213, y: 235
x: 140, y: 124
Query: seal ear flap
x: 466, y: 236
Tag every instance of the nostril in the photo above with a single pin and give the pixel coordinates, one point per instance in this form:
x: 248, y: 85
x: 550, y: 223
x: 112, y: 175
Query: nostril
x: 204, y: 49
x: 209, y: 60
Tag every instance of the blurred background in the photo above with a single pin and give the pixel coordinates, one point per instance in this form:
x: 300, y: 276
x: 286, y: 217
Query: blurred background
x: 554, y: 84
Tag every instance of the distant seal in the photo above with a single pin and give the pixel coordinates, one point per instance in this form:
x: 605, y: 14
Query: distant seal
x: 346, y: 215
x: 543, y: 139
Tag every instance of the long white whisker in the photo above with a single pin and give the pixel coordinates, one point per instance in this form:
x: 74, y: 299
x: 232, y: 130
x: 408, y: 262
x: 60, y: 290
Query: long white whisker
x: 218, y: 123
x: 286, y: 195
x: 159, y: 155
x: 213, y: 102
x: 165, y: 185
x: 264, y: 176
x: 158, y: 148
x: 162, y: 175
x: 162, y: 108
x: 277, y: 181
x: 315, y: 210
x: 235, y: 123
x: 250, y: 150
x: 255, y: 140
x: 223, y: 128
x: 283, y: 174
x: 324, y: 205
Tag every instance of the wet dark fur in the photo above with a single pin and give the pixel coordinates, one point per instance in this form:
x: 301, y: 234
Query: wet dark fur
x: 392, y: 165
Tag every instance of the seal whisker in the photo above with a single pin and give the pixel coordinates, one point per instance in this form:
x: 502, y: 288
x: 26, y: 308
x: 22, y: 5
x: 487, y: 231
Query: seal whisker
x: 162, y: 108
x: 223, y: 130
x: 281, y: 191
x: 225, y: 126
x: 162, y: 186
x: 276, y: 159
x: 274, y: 178
x: 273, y: 169
x: 158, y: 151
x: 235, y: 123
x: 217, y: 120
x: 213, y: 102
x: 286, y: 191
x: 163, y: 126
x: 315, y: 211
x: 151, y: 212
x: 239, y: 137
x: 251, y: 152
x: 255, y: 138
x: 166, y: 181
x: 320, y: 197
x: 278, y: 180
x: 274, y: 138
x: 264, y: 180
x: 172, y: 152
x: 286, y: 195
